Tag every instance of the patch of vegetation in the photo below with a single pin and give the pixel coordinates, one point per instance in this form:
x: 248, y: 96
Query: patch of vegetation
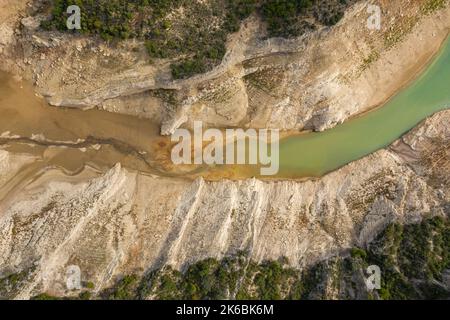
x: 85, y: 295
x: 395, y: 34
x: 12, y: 283
x: 45, y: 296
x: 234, y: 277
x: 358, y: 253
x: 125, y: 288
x: 432, y: 5
x: 286, y: 18
x: 194, y: 32
x: 90, y: 285
x: 170, y: 28
x: 266, y: 80
x: 372, y: 57
x: 207, y: 279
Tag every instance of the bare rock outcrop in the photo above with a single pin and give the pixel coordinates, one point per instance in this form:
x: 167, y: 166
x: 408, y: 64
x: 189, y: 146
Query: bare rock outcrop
x: 312, y: 82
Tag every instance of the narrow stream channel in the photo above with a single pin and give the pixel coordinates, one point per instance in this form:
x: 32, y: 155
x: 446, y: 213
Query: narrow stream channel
x: 70, y: 139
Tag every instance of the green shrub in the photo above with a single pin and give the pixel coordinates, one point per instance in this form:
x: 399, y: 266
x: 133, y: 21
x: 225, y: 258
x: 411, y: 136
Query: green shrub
x: 200, y: 39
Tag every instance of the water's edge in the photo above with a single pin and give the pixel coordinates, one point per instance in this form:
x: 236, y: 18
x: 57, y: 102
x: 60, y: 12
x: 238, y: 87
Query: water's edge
x: 72, y: 139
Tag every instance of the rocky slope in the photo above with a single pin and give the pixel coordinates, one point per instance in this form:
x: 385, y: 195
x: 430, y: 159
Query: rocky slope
x: 311, y: 82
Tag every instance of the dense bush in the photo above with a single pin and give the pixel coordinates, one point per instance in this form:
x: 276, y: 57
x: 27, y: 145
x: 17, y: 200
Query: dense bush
x: 414, y: 254
x: 282, y: 15
x: 199, y: 38
x: 203, y: 45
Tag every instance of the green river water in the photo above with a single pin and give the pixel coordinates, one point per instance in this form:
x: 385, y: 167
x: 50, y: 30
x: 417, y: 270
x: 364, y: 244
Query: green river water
x: 71, y: 138
x: 315, y: 154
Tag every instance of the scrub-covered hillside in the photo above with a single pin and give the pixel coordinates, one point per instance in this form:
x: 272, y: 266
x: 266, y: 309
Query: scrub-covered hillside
x: 194, y: 31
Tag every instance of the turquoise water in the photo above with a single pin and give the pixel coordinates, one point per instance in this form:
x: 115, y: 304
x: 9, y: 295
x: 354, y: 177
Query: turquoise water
x: 315, y: 154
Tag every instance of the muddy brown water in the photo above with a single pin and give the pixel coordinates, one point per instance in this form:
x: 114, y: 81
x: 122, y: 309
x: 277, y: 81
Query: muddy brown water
x: 71, y: 138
